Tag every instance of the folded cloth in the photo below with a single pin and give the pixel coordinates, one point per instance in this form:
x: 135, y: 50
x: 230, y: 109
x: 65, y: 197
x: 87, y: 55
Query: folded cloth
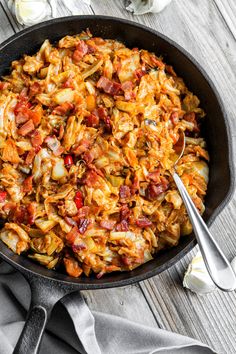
x: 73, y: 328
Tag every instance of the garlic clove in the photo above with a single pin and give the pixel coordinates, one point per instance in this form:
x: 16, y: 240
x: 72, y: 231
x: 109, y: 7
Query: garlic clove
x: 29, y: 12
x: 140, y: 7
x: 197, y: 278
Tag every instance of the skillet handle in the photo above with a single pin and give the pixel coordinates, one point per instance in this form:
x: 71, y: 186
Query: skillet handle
x: 44, y: 295
x: 32, y: 333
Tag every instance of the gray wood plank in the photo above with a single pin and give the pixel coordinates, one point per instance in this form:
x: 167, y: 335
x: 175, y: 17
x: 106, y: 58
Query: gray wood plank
x: 6, y: 29
x: 228, y: 10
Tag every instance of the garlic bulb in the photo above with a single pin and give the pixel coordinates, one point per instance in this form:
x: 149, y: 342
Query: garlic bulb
x: 29, y: 12
x: 197, y: 278
x: 140, y: 7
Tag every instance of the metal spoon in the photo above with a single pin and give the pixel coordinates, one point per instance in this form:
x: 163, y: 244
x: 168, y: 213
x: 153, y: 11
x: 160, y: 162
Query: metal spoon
x: 216, y: 263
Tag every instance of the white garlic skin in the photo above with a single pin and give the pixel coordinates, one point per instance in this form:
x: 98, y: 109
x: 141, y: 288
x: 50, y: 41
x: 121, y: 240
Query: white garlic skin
x: 140, y: 7
x: 30, y: 12
x: 197, y: 278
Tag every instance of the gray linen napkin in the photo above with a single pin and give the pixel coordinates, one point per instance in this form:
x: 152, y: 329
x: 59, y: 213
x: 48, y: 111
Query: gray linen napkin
x: 73, y: 328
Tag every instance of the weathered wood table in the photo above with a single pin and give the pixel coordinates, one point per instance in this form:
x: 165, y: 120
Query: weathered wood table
x: 207, y: 29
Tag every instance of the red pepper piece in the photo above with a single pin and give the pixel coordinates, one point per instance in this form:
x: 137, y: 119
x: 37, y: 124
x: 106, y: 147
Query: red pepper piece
x: 79, y: 199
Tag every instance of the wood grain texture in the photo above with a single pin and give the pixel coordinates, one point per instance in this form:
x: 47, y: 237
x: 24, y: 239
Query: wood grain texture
x: 206, y: 29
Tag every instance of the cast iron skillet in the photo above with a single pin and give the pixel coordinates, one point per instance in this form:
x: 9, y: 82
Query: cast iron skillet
x: 48, y: 286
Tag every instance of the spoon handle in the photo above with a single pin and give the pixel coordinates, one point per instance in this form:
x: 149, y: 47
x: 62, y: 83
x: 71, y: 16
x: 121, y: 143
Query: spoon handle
x: 216, y: 263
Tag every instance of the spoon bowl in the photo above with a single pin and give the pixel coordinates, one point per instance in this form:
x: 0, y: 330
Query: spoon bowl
x: 216, y: 263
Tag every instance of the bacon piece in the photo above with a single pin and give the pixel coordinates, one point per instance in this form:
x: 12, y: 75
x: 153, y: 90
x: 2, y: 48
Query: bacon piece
x: 103, y: 115
x: 154, y: 176
x: 63, y: 108
x: 3, y: 196
x: 127, y: 87
x: 91, y: 178
x: 26, y: 128
x: 157, y: 62
x: 30, y: 156
x: 28, y: 184
x: 125, y: 212
x: 191, y: 117
x: 36, y: 138
x: 70, y: 221
x: 92, y: 120
x: 69, y: 83
x: 122, y: 226
x: 80, y: 51
x: 88, y: 157
x: 143, y: 222
x: 83, y: 212
x: 22, y: 117
x: 174, y: 117
x: 31, y: 209
x: 124, y: 192
x: 35, y: 88
x: 139, y: 73
x: 83, y: 224
x: 107, y: 224
x: 108, y: 86
x: 81, y: 147
x: 154, y: 190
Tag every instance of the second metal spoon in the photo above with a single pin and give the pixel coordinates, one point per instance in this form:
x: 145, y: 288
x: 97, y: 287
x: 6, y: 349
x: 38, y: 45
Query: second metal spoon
x: 216, y: 263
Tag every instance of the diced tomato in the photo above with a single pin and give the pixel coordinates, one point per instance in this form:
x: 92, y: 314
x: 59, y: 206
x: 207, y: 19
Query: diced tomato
x: 36, y: 138
x: 107, y: 224
x: 26, y: 128
x: 28, y: 184
x: 63, y: 108
x: 78, y: 199
x: 108, y: 86
x: 124, y: 192
x: 143, y: 222
x: 3, y: 196
x: 68, y: 160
